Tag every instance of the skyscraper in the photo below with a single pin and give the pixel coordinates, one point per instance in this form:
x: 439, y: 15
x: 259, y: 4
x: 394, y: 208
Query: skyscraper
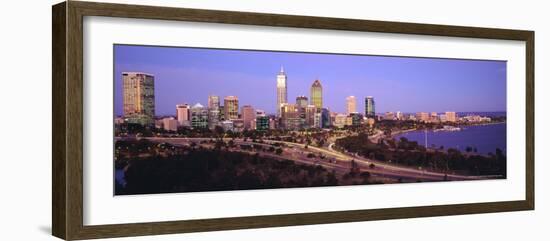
x: 213, y: 111
x: 325, y: 118
x: 213, y: 102
x: 231, y: 107
x: 369, y: 107
x: 301, y: 101
x: 138, y: 97
x: 301, y: 104
x: 199, y: 116
x: 182, y: 114
x: 290, y: 118
x: 310, y: 115
x: 317, y: 94
x: 248, y: 114
x: 351, y: 104
x: 281, y: 90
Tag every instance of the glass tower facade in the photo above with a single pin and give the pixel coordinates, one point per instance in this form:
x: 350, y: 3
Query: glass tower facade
x: 317, y: 94
x: 369, y: 107
x: 138, y: 97
x: 281, y: 90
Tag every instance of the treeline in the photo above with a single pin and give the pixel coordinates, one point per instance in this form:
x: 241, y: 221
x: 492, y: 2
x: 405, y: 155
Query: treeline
x: 215, y: 170
x: 409, y: 153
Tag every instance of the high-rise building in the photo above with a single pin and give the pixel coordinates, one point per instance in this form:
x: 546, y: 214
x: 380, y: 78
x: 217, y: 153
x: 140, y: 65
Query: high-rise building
x: 301, y: 104
x: 231, y: 107
x: 213, y: 111
x: 182, y: 114
x: 325, y: 116
x: 262, y: 123
x: 213, y: 102
x: 281, y: 90
x: 422, y: 116
x: 451, y: 116
x: 356, y: 118
x: 318, y: 120
x: 340, y: 120
x: 248, y: 115
x: 310, y: 115
x: 369, y: 107
x: 138, y: 97
x: 317, y: 94
x: 199, y: 116
x: 351, y: 104
x: 301, y: 101
x: 290, y: 118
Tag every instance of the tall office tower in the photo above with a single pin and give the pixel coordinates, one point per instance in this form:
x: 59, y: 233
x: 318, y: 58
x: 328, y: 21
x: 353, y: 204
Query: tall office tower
x: 213, y: 111
x: 351, y: 104
x: 318, y: 120
x: 317, y: 94
x: 213, y: 102
x: 290, y: 118
x: 301, y: 101
x: 450, y: 116
x: 248, y: 115
x: 301, y: 104
x: 369, y: 107
x: 182, y: 114
x: 326, y: 120
x: 138, y: 97
x: 310, y: 115
x: 281, y: 90
x: 199, y: 116
x: 231, y: 107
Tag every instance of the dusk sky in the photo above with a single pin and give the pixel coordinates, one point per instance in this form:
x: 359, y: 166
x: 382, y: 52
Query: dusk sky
x: 189, y: 75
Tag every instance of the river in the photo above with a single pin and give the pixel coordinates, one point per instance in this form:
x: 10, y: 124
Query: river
x: 486, y: 138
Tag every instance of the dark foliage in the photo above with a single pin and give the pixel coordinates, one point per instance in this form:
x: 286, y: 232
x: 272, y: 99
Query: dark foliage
x: 216, y: 170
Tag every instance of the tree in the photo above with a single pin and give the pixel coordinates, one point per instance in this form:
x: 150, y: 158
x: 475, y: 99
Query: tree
x: 218, y: 130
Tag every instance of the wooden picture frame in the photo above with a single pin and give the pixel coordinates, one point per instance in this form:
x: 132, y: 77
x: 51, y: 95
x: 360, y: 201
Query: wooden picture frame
x: 67, y: 124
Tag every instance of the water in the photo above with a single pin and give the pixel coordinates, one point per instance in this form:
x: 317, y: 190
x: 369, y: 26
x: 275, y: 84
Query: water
x: 486, y: 138
x: 119, y: 176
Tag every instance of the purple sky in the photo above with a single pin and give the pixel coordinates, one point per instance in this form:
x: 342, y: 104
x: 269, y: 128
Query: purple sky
x: 189, y: 75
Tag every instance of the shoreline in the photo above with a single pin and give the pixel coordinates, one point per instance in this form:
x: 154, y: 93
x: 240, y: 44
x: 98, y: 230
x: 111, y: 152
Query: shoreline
x: 463, y: 128
x: 400, y: 132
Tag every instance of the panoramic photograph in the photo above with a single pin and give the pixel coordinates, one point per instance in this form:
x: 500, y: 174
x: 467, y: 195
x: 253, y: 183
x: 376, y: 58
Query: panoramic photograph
x: 190, y: 119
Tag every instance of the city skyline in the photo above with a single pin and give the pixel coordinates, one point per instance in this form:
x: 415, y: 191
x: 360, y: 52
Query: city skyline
x: 190, y: 75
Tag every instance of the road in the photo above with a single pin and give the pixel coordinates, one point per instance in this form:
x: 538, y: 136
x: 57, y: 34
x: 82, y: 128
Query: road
x: 333, y: 159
